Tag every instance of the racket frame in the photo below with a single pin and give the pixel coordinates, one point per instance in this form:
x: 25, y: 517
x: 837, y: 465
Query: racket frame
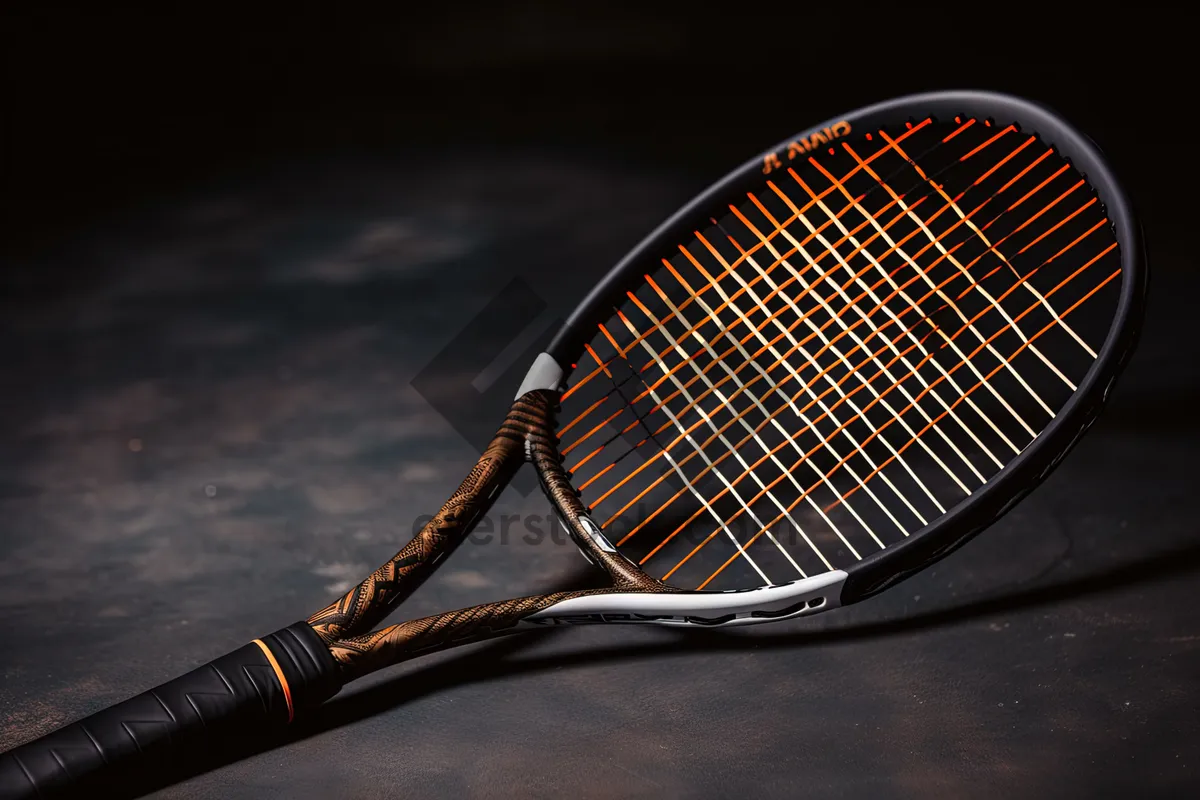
x: 306, y: 663
x: 883, y: 569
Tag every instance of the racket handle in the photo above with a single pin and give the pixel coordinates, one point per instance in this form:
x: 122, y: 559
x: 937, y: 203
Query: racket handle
x: 260, y: 685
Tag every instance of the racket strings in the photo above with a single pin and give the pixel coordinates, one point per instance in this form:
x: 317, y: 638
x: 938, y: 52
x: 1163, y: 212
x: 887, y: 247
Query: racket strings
x: 982, y: 290
x: 597, y: 371
x: 838, y: 361
x: 707, y: 319
x: 765, y: 528
x: 843, y: 499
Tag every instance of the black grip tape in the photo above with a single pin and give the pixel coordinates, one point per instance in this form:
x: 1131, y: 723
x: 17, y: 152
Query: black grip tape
x: 178, y: 722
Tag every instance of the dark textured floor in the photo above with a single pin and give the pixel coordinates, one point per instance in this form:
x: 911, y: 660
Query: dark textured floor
x: 215, y: 431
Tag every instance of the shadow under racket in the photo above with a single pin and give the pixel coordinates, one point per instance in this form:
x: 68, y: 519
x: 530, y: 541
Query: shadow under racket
x: 499, y: 658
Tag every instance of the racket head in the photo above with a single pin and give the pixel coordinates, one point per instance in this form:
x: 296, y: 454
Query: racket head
x: 1062, y: 157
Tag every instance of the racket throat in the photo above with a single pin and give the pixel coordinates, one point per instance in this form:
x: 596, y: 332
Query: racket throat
x: 698, y: 609
x: 542, y: 449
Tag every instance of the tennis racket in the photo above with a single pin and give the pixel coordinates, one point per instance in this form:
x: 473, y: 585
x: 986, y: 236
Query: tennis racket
x: 822, y: 375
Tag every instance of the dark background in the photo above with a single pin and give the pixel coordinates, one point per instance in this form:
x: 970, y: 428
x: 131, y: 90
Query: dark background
x: 232, y: 239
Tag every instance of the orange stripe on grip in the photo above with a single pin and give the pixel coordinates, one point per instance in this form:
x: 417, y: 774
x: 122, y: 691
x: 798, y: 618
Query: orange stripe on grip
x: 287, y: 692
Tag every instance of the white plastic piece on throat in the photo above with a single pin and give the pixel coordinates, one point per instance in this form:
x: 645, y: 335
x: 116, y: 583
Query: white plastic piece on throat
x: 546, y: 373
x: 701, y: 609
